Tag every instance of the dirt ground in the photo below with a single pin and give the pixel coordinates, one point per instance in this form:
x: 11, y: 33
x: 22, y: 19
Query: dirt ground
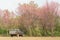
x: 29, y: 38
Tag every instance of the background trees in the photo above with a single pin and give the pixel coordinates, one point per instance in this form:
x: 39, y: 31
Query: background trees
x: 32, y: 19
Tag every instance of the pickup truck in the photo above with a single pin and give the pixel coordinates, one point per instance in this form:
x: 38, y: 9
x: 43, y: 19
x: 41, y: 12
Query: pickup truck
x: 15, y: 32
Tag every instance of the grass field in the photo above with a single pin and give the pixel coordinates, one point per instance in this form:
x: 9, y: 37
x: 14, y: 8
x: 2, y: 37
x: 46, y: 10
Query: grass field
x: 29, y: 38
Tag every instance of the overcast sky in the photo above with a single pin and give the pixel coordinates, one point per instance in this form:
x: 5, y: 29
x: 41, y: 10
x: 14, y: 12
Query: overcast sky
x: 11, y: 5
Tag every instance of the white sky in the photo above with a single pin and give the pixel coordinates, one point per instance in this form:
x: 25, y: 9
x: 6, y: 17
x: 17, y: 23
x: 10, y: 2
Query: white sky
x: 11, y: 5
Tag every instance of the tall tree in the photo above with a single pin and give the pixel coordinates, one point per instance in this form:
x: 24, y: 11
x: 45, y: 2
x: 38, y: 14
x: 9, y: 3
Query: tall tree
x: 49, y: 17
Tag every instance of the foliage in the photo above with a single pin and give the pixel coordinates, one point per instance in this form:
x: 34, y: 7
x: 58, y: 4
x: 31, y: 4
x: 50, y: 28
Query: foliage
x: 32, y: 20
